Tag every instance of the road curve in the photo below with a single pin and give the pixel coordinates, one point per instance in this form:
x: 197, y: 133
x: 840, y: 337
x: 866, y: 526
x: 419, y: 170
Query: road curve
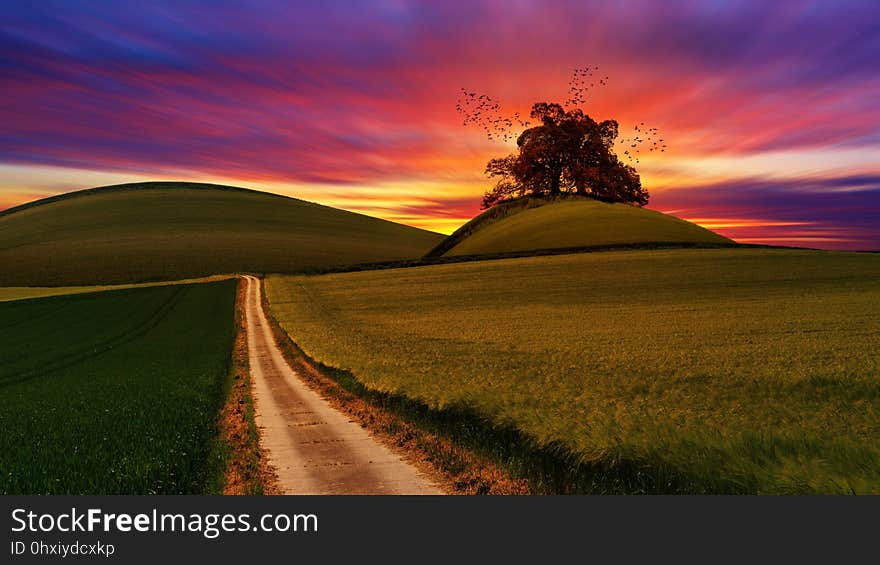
x: 315, y: 448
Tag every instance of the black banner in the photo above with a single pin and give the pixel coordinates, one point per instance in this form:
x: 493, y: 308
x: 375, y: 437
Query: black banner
x: 329, y: 529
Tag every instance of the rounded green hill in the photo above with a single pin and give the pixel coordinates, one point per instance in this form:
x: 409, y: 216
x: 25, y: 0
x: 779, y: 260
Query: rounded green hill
x: 570, y: 223
x: 162, y: 231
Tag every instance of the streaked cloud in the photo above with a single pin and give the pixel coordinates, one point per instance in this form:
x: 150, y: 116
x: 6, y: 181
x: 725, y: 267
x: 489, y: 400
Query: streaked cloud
x: 352, y: 104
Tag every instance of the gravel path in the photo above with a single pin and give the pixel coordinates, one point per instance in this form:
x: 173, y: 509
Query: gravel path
x: 315, y: 448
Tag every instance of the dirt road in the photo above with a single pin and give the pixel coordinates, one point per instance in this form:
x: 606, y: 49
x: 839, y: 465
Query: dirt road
x: 315, y: 448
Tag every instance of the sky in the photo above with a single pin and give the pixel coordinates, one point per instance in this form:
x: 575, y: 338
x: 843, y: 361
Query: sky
x: 770, y: 110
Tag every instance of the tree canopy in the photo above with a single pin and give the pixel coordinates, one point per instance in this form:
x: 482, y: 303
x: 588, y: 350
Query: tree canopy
x: 568, y: 152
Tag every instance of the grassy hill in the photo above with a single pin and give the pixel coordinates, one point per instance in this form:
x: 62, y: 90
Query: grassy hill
x: 162, y: 231
x: 569, y: 223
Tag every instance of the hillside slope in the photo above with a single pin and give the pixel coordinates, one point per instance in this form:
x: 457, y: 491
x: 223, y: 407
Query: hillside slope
x: 569, y: 223
x: 161, y: 231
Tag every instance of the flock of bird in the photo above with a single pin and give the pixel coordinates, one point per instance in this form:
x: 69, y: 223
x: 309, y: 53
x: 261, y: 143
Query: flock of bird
x: 643, y: 138
x: 483, y: 111
x: 582, y: 80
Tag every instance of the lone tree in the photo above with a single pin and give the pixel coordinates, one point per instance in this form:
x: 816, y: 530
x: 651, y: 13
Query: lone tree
x: 568, y: 152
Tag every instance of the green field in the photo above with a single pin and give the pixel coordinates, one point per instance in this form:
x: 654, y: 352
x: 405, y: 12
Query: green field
x: 571, y: 223
x: 168, y: 231
x: 20, y: 292
x: 115, y: 392
x: 716, y: 370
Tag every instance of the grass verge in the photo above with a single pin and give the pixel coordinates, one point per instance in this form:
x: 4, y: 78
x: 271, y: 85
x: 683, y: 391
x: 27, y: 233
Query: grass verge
x: 247, y: 469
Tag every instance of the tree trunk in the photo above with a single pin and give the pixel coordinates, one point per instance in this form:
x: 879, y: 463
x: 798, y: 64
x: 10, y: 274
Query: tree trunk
x: 556, y: 182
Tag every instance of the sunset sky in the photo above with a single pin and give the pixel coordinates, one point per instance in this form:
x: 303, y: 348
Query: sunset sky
x: 771, y: 110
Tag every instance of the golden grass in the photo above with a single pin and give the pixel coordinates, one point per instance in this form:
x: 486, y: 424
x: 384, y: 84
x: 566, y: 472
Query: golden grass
x: 581, y: 222
x: 732, y: 370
